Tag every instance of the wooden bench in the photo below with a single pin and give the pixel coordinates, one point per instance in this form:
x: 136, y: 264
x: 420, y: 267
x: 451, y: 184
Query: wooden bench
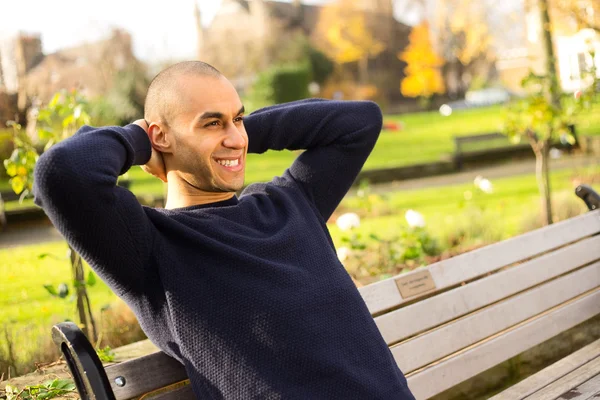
x: 497, y: 145
x: 485, y: 145
x: 575, y: 377
x: 444, y: 323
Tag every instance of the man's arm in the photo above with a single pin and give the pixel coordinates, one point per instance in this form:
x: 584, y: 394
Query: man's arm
x: 75, y: 183
x: 338, y: 136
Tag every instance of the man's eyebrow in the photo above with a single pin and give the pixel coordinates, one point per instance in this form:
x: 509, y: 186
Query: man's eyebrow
x: 216, y: 114
x: 210, y: 114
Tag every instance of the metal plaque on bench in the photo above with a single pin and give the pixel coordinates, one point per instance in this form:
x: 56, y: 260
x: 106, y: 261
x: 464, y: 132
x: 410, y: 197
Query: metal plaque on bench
x: 415, y: 284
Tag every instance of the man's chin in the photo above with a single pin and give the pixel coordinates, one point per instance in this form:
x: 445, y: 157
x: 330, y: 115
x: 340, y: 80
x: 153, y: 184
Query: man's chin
x: 231, y: 186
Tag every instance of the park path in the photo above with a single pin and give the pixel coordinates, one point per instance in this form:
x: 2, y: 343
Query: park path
x: 44, y: 232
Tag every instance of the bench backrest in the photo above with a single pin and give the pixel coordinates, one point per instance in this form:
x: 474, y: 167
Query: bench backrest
x: 451, y: 320
x: 461, y: 316
x: 463, y: 143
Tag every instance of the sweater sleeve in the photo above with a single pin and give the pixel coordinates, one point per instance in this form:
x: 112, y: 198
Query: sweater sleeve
x: 75, y: 182
x: 338, y: 136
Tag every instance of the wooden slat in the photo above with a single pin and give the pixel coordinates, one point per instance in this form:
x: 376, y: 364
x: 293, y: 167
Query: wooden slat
x: 145, y: 374
x: 182, y: 393
x: 384, y: 295
x: 135, y: 350
x: 460, y: 334
x: 462, y: 300
x: 568, y: 382
x: 586, y: 391
x: 468, y: 363
x: 550, y: 374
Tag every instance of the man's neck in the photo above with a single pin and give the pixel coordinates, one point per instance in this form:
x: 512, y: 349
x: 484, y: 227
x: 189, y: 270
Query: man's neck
x: 184, y: 195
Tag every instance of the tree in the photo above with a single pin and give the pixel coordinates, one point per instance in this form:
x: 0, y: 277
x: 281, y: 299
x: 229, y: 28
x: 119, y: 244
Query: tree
x: 463, y: 40
x: 62, y: 117
x: 342, y: 33
x: 586, y: 14
x: 543, y: 117
x: 423, y: 76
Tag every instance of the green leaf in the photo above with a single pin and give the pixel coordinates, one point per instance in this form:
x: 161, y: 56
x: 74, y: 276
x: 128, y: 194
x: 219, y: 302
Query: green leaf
x: 570, y: 139
x: 91, y: 279
x: 105, y: 354
x: 18, y: 184
x: 374, y: 237
x: 63, y: 290
x: 11, y: 168
x: 54, y: 100
x: 51, y: 290
x: 44, y: 116
x: 45, y: 133
x: 68, y: 120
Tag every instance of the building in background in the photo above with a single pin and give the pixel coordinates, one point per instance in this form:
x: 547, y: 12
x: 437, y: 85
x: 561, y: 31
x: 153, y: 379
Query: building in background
x: 247, y: 36
x: 572, y: 45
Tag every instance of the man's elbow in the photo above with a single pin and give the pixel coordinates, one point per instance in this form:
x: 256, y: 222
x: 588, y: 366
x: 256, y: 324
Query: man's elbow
x: 373, y: 118
x: 51, y: 170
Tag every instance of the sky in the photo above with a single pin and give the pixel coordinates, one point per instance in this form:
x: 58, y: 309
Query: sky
x: 161, y: 30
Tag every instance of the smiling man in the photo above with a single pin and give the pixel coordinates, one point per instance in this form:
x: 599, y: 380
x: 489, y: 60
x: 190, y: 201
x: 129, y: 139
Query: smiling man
x: 246, y: 292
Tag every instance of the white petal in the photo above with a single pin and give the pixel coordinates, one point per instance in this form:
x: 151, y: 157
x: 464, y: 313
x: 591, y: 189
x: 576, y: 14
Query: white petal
x: 348, y: 221
x: 414, y: 219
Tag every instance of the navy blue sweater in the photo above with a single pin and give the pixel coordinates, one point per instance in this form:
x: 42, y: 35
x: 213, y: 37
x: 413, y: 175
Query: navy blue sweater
x: 247, y: 293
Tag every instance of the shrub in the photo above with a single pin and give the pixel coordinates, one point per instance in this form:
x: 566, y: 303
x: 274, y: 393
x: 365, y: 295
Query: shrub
x: 280, y: 84
x: 23, y: 348
x: 564, y: 206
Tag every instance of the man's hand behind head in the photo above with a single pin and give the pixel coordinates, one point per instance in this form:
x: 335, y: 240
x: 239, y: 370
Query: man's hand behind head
x: 156, y: 165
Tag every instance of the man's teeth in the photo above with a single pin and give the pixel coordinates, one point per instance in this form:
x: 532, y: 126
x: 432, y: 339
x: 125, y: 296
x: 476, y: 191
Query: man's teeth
x: 229, y: 163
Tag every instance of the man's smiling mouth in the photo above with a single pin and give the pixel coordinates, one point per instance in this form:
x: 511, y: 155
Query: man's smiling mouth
x: 229, y: 163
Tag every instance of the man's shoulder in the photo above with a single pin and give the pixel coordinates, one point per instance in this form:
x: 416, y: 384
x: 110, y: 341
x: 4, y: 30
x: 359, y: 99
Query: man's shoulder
x: 284, y: 185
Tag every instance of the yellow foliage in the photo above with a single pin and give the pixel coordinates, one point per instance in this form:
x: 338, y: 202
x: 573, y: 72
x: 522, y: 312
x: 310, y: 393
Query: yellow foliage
x: 423, y: 76
x: 463, y: 26
x: 343, y: 35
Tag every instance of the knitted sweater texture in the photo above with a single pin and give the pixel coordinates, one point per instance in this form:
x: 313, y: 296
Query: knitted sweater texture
x: 247, y: 293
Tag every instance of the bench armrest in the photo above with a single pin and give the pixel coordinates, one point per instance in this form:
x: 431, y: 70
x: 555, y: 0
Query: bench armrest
x: 589, y: 196
x: 84, y: 364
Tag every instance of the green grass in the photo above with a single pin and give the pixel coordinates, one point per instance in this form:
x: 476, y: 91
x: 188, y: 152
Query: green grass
x: 424, y: 137
x: 23, y: 299
x: 515, y: 201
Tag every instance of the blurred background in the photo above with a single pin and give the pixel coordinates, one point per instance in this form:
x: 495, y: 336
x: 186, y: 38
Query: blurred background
x: 491, y: 118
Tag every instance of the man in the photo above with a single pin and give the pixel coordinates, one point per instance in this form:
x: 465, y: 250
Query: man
x: 246, y: 292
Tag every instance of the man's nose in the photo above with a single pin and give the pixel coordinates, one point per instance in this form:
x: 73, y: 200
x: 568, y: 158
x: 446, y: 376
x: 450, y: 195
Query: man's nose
x: 235, y: 139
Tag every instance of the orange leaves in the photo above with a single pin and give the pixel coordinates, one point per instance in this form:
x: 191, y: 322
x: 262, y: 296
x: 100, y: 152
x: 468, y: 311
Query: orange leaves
x: 423, y: 76
x: 343, y: 33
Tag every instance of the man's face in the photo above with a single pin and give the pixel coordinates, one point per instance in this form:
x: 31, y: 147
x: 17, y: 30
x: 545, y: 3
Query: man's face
x: 210, y: 142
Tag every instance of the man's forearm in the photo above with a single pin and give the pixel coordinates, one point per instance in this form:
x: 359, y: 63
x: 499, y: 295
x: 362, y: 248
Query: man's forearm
x: 312, y: 123
x: 338, y: 136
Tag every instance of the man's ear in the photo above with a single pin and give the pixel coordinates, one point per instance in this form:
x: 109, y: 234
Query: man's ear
x: 161, y: 139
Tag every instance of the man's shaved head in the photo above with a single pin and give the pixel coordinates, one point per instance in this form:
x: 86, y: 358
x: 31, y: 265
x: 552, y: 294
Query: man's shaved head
x: 162, y: 100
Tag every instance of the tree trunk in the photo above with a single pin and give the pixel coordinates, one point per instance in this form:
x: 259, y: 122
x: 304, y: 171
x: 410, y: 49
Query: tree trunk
x: 554, y: 90
x: 84, y: 310
x: 542, y: 158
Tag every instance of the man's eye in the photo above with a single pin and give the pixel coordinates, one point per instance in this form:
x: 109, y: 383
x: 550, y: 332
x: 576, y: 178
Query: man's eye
x: 238, y: 119
x: 213, y: 123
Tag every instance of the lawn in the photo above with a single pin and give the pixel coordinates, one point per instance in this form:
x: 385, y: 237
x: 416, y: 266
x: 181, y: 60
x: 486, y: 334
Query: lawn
x: 424, y: 137
x: 511, y: 209
x: 27, y: 310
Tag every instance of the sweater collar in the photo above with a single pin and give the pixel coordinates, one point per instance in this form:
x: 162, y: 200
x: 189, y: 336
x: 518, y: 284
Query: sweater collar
x: 225, y: 203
